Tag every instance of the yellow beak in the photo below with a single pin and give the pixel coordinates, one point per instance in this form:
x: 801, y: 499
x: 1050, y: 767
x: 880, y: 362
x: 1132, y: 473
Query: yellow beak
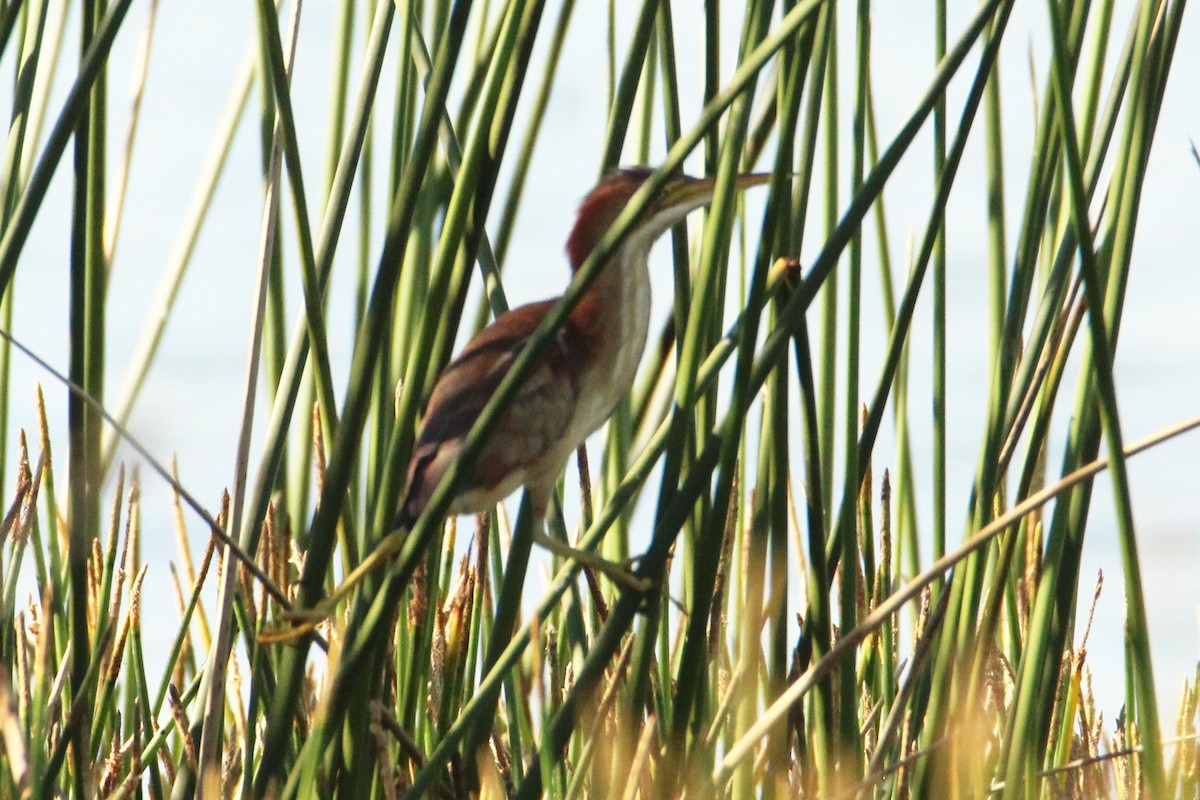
x: 687, y: 192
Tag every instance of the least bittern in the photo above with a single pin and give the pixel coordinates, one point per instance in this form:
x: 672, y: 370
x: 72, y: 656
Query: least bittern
x: 578, y: 383
x: 570, y: 394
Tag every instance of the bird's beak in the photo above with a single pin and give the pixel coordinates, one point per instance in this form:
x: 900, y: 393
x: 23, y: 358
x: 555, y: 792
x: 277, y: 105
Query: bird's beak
x: 689, y: 193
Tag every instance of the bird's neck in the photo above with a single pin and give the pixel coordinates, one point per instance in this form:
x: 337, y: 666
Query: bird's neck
x: 613, y: 317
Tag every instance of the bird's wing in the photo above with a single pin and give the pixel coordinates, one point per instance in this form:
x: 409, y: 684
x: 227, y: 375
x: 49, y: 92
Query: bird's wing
x: 532, y: 425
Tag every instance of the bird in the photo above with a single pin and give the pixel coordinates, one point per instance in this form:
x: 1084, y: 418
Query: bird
x: 575, y: 386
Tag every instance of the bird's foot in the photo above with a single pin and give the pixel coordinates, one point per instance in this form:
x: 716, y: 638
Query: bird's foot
x: 296, y: 623
x: 619, y: 573
x: 300, y: 621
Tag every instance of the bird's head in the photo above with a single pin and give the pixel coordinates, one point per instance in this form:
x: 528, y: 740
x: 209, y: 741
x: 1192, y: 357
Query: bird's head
x: 679, y: 196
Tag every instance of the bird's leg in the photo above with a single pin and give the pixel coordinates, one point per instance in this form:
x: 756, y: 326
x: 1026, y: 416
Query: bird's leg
x: 618, y: 573
x: 302, y: 621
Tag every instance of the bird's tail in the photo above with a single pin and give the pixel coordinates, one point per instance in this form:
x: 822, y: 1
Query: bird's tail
x: 405, y: 519
x: 411, y: 507
x: 415, y: 497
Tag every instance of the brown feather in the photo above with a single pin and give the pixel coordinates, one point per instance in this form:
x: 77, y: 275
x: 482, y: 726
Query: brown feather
x: 524, y: 434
